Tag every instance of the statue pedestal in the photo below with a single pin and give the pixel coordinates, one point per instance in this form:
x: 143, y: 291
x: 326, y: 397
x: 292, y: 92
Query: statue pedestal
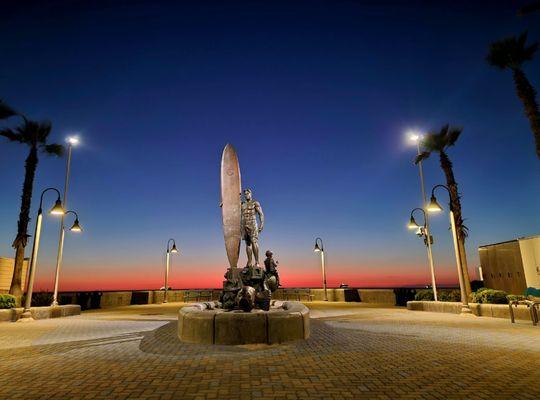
x: 209, y: 324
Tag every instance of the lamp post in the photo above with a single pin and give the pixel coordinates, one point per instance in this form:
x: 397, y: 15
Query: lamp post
x: 71, y: 141
x: 319, y: 248
x: 170, y: 250
x: 434, y: 206
x: 416, y: 138
x: 56, y: 210
x: 424, y: 229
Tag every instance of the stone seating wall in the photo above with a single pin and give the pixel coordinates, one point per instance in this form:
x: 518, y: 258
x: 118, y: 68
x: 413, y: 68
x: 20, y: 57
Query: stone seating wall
x: 14, y: 314
x: 481, y: 310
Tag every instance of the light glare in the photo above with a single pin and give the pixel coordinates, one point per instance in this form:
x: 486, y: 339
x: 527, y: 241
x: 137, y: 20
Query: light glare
x: 73, y: 140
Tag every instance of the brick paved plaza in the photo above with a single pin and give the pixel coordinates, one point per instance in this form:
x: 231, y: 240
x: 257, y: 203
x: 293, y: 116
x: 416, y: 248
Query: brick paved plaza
x: 354, y: 352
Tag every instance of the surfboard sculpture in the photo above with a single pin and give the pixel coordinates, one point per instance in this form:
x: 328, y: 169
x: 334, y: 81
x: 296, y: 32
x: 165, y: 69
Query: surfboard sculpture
x: 231, y: 187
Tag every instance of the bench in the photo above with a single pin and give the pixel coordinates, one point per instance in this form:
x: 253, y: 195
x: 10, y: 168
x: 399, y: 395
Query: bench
x: 198, y: 295
x: 532, y: 303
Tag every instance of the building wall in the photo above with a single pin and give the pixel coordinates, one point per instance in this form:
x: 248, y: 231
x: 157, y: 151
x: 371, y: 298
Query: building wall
x: 530, y: 254
x: 6, y: 273
x: 502, y: 267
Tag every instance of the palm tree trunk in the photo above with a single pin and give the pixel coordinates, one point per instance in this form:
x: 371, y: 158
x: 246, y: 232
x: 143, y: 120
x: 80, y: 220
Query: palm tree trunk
x: 527, y: 95
x: 21, y: 240
x: 455, y: 204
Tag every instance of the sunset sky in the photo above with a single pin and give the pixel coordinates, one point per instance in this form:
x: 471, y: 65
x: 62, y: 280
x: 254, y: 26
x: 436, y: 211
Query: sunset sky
x: 315, y: 95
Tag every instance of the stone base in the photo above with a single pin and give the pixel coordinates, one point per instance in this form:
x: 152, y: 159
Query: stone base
x: 208, y: 324
x: 13, y: 314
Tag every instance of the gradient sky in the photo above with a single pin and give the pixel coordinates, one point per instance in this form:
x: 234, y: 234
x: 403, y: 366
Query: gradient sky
x: 316, y: 97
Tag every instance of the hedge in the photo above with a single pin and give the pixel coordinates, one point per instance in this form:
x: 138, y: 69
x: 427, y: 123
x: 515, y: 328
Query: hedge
x: 489, y: 296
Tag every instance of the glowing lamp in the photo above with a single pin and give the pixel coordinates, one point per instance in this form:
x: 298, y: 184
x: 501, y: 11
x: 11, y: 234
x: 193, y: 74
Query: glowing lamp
x: 433, y: 205
x: 76, y: 227
x: 73, y: 140
x: 412, y: 224
x: 57, y: 209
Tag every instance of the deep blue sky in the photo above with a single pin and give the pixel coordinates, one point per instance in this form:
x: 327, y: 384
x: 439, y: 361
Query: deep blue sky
x: 315, y: 95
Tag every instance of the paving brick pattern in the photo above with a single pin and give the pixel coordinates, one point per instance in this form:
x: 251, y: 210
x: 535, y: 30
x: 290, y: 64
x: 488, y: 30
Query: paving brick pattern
x: 369, y: 354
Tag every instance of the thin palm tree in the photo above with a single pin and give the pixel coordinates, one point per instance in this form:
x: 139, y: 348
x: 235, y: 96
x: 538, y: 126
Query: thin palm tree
x: 439, y: 142
x: 34, y: 135
x: 511, y: 53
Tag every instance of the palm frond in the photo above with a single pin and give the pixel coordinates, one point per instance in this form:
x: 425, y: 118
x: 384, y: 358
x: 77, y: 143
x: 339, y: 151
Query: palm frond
x: 6, y: 111
x: 511, y: 52
x: 452, y: 135
x: 53, y: 149
x: 43, y: 130
x: 422, y: 156
x: 529, y: 9
x: 12, y: 135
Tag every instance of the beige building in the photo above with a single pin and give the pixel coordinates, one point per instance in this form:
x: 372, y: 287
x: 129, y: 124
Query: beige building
x: 511, y: 266
x: 6, y: 273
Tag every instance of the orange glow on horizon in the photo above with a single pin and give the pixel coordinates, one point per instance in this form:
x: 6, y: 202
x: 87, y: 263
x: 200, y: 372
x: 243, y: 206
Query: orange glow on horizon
x: 213, y: 278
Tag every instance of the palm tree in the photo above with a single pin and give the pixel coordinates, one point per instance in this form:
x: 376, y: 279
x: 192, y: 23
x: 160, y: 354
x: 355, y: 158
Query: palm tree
x: 34, y: 135
x: 439, y: 142
x: 511, y: 53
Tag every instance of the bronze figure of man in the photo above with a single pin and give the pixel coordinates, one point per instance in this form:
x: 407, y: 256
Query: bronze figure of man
x: 250, y: 228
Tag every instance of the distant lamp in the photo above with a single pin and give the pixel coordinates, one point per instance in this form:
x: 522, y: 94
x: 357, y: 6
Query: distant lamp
x: 434, y: 205
x: 170, y: 250
x: 57, y: 209
x: 319, y: 248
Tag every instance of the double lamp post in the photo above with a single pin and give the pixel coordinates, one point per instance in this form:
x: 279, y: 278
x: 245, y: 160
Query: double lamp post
x: 57, y: 210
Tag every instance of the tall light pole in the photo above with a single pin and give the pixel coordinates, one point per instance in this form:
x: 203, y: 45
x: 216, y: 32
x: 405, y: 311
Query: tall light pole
x: 416, y: 138
x: 319, y: 248
x: 71, y: 141
x: 424, y: 231
x: 56, y: 210
x: 434, y: 206
x: 170, y: 250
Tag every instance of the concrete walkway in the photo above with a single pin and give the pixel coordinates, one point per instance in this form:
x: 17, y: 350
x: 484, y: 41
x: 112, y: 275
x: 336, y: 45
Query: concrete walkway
x: 355, y: 352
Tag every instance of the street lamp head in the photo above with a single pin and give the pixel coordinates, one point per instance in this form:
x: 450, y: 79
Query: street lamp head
x: 174, y: 249
x: 57, y: 209
x: 414, y: 136
x: 318, y: 246
x: 434, y: 205
x: 72, y: 140
x: 412, y: 224
x: 76, y: 226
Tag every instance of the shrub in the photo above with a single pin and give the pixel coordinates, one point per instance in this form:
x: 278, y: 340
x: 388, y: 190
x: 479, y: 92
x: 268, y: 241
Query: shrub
x: 449, y: 295
x: 424, y: 295
x: 7, y: 301
x: 489, y: 296
x: 40, y: 299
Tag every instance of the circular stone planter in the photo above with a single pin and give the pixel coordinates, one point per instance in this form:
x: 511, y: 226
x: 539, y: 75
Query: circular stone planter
x: 209, y: 324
